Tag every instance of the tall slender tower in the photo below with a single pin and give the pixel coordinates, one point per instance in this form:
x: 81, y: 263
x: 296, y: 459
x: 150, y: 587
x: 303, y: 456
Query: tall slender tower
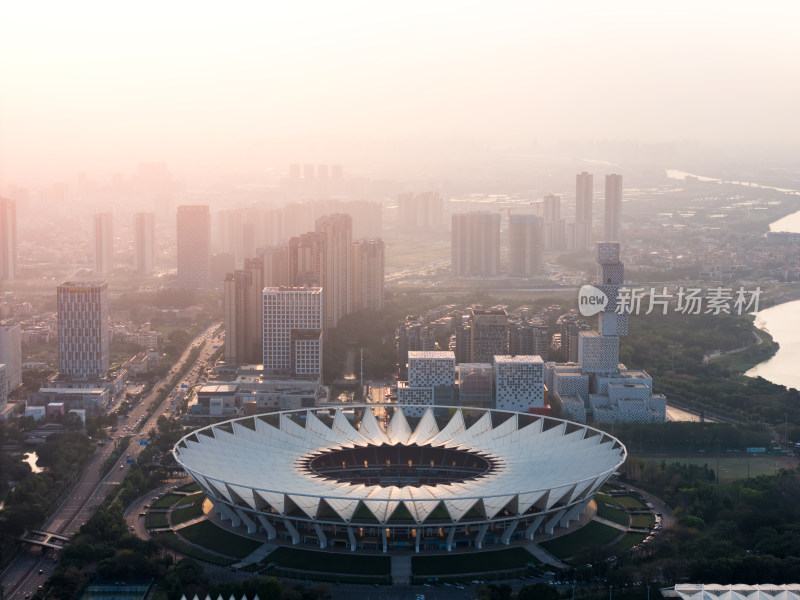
x: 11, y: 354
x: 194, y: 246
x: 336, y: 272
x: 554, y: 228
x: 8, y: 239
x: 368, y: 263
x: 144, y: 228
x: 83, y: 339
x: 475, y: 244
x: 584, y: 184
x: 525, y: 244
x: 103, y: 244
x: 243, y: 310
x: 613, y: 217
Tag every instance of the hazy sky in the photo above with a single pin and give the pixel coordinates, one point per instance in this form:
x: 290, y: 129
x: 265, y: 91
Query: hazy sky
x: 100, y: 86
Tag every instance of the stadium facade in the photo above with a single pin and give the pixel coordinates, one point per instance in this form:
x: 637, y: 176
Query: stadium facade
x: 372, y: 477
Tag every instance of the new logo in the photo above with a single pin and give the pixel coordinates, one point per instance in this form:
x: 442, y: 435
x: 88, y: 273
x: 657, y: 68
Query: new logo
x: 591, y: 300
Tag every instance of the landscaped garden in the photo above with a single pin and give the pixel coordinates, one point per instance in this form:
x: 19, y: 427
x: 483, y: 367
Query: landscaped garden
x: 187, y: 509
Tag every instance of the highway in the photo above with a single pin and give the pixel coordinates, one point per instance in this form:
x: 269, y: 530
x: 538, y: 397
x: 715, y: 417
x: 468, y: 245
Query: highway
x: 31, y: 568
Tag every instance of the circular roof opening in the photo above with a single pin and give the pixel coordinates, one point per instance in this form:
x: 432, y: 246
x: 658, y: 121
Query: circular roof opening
x: 399, y: 465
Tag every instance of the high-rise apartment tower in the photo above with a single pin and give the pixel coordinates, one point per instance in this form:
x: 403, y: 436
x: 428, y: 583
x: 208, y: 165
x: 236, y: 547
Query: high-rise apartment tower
x: 103, y: 244
x: 194, y: 246
x: 83, y: 338
x: 613, y: 217
x: 144, y: 240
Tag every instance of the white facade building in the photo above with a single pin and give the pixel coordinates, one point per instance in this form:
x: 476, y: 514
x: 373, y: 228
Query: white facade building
x: 431, y: 374
x: 519, y: 382
x: 292, y: 331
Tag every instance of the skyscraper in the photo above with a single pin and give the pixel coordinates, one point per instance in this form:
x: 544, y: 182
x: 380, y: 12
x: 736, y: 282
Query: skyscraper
x: 613, y: 217
x: 194, y: 246
x: 420, y: 212
x: 554, y: 228
x: 368, y: 264
x: 584, y: 185
x: 144, y: 234
x: 525, y: 244
x: 83, y: 339
x: 292, y: 331
x: 336, y: 272
x: 243, y: 308
x: 103, y: 244
x: 11, y: 354
x: 8, y: 239
x: 475, y: 244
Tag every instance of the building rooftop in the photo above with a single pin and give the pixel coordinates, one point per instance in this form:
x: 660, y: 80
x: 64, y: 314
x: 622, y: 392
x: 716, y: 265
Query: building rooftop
x: 441, y: 354
x: 520, y: 358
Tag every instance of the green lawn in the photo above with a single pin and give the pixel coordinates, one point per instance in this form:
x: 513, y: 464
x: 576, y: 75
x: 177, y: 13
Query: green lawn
x: 647, y: 520
x: 166, y: 501
x: 594, y: 534
x: 609, y: 508
x: 153, y: 520
x: 187, y: 513
x: 170, y: 540
x: 457, y: 564
x: 629, y: 502
x: 190, y: 487
x: 329, y: 562
x: 219, y: 540
x: 629, y: 540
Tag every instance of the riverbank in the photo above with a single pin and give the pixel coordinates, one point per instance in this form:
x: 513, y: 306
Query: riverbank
x: 782, y: 320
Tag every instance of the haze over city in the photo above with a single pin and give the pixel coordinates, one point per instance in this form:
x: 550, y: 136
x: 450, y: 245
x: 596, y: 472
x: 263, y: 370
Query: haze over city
x: 90, y: 86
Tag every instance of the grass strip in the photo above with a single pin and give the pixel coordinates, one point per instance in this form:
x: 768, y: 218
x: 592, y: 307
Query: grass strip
x: 187, y: 513
x: 172, y: 541
x: 166, y: 501
x: 593, y: 535
x: 329, y: 562
x: 219, y: 540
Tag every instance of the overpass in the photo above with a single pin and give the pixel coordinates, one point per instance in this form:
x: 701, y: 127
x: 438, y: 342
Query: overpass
x: 47, y: 539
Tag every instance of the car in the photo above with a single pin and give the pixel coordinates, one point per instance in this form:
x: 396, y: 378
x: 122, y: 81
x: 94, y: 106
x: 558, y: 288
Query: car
x: 41, y: 571
x: 133, y: 528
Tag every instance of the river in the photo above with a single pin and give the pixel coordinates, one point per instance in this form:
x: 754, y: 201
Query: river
x: 781, y: 321
x: 783, y: 324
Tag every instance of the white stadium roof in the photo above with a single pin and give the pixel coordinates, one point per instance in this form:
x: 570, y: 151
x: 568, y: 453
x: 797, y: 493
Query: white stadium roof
x: 740, y: 591
x: 537, y: 462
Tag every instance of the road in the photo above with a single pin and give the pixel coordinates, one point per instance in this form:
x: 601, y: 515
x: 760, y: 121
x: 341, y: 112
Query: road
x: 23, y: 575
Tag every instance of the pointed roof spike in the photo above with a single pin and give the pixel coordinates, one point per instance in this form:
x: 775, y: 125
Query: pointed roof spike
x: 426, y: 429
x: 455, y: 426
x: 398, y: 430
x: 371, y: 429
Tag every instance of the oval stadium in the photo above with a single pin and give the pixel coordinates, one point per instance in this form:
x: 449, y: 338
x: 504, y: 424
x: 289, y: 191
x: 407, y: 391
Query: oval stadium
x: 372, y: 477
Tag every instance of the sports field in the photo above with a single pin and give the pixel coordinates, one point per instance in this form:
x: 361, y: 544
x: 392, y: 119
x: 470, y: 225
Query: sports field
x: 733, y: 467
